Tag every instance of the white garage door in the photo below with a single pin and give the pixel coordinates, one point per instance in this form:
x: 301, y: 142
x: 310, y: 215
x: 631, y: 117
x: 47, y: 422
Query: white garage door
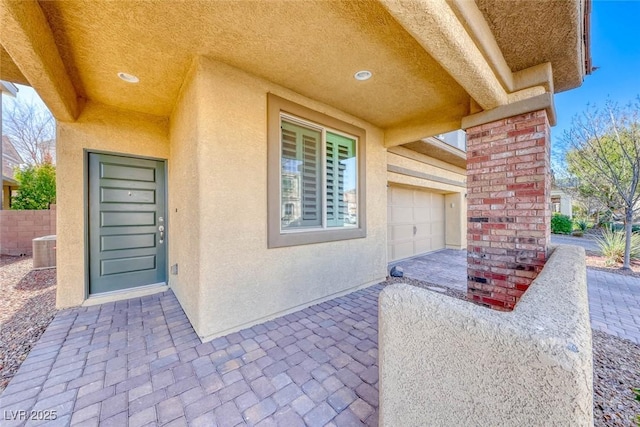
x: 415, y: 222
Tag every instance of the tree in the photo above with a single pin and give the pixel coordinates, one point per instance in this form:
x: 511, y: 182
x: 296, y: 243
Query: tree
x: 604, y: 154
x: 31, y: 129
x: 37, y: 187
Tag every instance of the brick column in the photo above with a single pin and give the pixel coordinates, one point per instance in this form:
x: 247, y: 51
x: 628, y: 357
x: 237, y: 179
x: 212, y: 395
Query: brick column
x: 508, y: 207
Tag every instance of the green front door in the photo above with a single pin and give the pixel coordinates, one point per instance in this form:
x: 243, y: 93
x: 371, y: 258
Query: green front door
x: 127, y: 223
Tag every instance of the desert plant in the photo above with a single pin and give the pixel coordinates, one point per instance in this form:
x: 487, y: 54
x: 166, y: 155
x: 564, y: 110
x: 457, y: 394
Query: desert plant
x: 612, y: 245
x: 582, y: 225
x: 561, y: 224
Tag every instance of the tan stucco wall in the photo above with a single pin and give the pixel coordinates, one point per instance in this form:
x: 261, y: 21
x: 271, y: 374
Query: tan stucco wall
x: 184, y: 202
x: 241, y: 281
x: 565, y: 202
x: 418, y: 167
x: 444, y: 361
x: 98, y: 128
x: 455, y: 208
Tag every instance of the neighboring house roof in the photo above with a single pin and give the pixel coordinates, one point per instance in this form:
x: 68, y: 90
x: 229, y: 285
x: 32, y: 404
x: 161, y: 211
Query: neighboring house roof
x: 435, y: 64
x: 10, y: 159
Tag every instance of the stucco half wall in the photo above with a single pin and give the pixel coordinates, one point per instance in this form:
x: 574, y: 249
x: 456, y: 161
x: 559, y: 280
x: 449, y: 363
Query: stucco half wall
x: 445, y: 361
x: 227, y: 277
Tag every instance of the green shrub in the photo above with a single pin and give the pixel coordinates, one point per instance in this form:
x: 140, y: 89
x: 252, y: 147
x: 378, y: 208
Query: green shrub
x: 612, y: 246
x: 561, y: 224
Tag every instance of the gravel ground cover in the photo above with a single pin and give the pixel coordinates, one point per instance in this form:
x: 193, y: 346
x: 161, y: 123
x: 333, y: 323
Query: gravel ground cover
x: 597, y: 262
x: 27, y: 306
x: 616, y: 371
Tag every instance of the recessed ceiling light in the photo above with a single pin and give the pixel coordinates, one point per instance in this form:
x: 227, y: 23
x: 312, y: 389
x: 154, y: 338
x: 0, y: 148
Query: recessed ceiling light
x: 362, y: 75
x: 129, y: 78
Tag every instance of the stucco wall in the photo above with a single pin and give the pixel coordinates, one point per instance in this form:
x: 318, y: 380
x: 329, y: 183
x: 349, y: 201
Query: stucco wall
x: 184, y: 198
x: 444, y: 361
x: 98, y: 128
x: 455, y: 208
x: 242, y: 281
x: 565, y: 202
x: 451, y: 182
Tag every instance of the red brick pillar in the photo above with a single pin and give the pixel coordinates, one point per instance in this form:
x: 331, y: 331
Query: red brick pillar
x: 508, y: 207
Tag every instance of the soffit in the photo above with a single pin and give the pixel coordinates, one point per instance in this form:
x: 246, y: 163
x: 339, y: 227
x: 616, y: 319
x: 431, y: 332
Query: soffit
x: 533, y: 32
x: 440, y: 150
x: 9, y: 71
x: 313, y: 48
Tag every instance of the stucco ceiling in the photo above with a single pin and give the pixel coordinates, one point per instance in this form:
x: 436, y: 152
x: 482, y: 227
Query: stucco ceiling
x: 313, y: 48
x: 533, y: 32
x: 10, y: 71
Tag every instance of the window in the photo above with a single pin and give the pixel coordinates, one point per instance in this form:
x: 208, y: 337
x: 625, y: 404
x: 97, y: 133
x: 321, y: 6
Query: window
x: 316, y: 179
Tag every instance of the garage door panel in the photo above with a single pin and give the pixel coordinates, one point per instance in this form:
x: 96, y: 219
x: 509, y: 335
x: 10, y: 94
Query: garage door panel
x: 437, y: 227
x: 423, y: 230
x: 402, y: 232
x: 401, y: 215
x: 402, y: 196
x: 437, y: 211
x: 421, y: 198
x: 403, y: 250
x: 422, y: 245
x: 421, y: 214
x: 409, y: 208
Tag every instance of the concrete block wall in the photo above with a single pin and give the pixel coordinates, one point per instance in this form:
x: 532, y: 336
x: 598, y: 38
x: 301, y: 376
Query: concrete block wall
x: 509, y: 207
x: 18, y: 229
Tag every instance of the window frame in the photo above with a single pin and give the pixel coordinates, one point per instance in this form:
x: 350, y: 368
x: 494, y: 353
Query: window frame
x: 276, y: 108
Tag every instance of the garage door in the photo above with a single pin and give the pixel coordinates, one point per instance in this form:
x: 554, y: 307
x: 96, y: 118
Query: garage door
x: 415, y: 222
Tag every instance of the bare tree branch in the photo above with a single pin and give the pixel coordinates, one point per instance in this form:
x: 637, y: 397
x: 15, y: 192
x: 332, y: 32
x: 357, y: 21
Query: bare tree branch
x: 31, y: 129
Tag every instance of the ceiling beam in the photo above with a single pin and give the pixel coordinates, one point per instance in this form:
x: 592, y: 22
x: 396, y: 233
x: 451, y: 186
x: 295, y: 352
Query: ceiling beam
x: 441, y: 33
x: 26, y: 36
x: 417, y: 131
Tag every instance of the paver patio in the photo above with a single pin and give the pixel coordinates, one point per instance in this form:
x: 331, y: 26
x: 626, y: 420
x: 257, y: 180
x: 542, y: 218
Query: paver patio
x: 139, y: 362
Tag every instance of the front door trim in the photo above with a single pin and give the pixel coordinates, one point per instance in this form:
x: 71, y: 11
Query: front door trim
x: 87, y: 247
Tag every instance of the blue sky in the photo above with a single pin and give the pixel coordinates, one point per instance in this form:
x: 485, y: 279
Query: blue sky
x: 615, y: 48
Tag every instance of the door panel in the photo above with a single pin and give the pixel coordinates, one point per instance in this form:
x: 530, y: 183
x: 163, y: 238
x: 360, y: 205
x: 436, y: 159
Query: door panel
x: 126, y: 210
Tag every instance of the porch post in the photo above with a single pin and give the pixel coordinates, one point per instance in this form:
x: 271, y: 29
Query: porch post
x: 508, y: 207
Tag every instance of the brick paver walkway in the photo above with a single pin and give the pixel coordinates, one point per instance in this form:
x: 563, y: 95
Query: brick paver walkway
x: 444, y: 268
x: 614, y: 303
x: 139, y: 362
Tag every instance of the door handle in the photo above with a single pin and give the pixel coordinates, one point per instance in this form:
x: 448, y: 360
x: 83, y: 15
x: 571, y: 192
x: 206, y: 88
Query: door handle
x: 161, y: 230
x: 415, y: 230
